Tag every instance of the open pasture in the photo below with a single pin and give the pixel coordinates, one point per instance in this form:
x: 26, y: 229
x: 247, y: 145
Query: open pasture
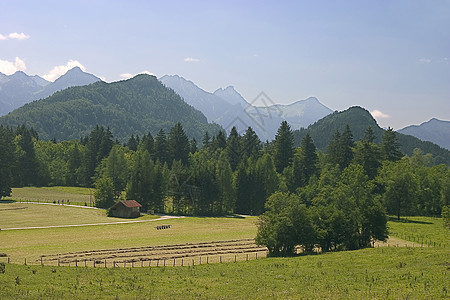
x: 380, y: 273
x: 56, y: 194
x: 34, y: 243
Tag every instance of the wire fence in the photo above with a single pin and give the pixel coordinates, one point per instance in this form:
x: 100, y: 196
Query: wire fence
x: 145, y: 262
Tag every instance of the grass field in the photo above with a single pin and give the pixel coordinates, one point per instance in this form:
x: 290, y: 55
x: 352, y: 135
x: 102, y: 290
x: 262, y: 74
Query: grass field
x: 380, y: 273
x: 31, y: 243
x: 377, y: 273
x: 76, y: 195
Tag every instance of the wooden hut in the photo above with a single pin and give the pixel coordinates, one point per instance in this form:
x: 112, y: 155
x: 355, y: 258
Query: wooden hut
x: 125, y: 209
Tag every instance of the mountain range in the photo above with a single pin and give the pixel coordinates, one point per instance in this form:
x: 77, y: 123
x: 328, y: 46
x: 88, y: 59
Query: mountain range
x: 136, y: 106
x: 359, y: 119
x: 436, y: 131
x: 228, y: 108
x: 129, y: 107
x: 19, y: 88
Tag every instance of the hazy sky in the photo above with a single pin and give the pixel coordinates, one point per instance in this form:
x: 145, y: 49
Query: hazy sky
x: 391, y: 57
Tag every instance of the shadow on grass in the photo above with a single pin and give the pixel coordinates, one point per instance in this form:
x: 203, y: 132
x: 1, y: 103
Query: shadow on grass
x: 405, y: 220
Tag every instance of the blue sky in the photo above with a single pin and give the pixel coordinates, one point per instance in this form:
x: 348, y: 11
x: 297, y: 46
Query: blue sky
x: 391, y: 57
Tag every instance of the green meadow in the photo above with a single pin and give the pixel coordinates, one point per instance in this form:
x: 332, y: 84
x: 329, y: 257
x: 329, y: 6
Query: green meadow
x: 375, y: 273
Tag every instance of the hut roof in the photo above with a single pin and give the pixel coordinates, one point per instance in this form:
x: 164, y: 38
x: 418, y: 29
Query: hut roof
x: 131, y: 203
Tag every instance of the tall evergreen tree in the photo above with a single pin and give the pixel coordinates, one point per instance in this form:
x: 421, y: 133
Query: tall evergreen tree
x: 251, y: 144
x: 233, y: 148
x: 367, y: 154
x: 266, y: 182
x: 147, y: 144
x: 140, y: 186
x: 346, y: 148
x: 73, y: 167
x: 7, y: 159
x: 161, y: 147
x: 224, y: 179
x: 390, y: 147
x: 27, y: 168
x: 98, y: 147
x: 283, y: 147
x: 133, y: 143
x: 178, y: 146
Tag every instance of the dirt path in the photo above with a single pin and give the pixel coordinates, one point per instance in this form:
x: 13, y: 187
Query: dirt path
x: 95, y: 224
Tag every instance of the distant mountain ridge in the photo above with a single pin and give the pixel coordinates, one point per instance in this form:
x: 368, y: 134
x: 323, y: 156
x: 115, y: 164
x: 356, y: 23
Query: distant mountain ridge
x: 130, y: 107
x: 228, y: 108
x: 19, y: 88
x: 359, y: 119
x: 434, y: 130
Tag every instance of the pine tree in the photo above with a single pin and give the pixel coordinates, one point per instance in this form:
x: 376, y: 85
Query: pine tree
x: 73, y: 167
x: 98, y: 147
x: 7, y: 159
x: 161, y: 147
x: 283, y: 147
x: 178, y: 146
x: 233, y: 148
x: 251, y: 144
x: 390, y: 147
x: 147, y: 144
x: 224, y: 178
x: 367, y: 154
x: 133, y: 143
x: 27, y: 169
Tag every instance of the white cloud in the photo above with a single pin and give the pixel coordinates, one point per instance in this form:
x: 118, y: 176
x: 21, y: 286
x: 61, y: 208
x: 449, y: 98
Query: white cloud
x: 14, y: 36
x: 378, y: 114
x: 129, y: 75
x: 191, y: 59
x: 9, y: 67
x: 126, y: 75
x: 425, y: 60
x: 57, y: 71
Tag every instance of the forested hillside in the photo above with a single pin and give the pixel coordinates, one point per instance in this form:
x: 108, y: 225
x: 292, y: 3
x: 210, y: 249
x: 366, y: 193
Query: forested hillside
x: 359, y: 119
x: 132, y: 107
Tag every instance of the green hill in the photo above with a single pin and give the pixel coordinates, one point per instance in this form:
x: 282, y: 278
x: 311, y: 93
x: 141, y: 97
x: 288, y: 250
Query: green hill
x: 359, y: 119
x: 135, y: 106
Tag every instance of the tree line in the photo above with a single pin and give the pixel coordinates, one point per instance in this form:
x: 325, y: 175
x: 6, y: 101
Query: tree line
x: 337, y: 198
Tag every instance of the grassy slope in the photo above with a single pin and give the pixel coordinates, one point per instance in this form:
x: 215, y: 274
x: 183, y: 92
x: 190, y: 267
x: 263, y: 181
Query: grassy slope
x: 31, y: 243
x: 76, y: 195
x: 380, y: 273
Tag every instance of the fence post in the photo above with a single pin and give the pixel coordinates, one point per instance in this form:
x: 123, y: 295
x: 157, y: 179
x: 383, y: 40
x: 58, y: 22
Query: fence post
x: 256, y: 255
x: 76, y: 262
x: 247, y: 256
x: 174, y: 262
x: 164, y: 260
x: 85, y: 263
x: 157, y: 263
x: 58, y: 262
x: 207, y: 259
x: 105, y: 263
x: 8, y: 259
x: 193, y: 264
x: 25, y: 261
x: 182, y: 260
x: 220, y: 259
x: 235, y: 258
x: 41, y: 262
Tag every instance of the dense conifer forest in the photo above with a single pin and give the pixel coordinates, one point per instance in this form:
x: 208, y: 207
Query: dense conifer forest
x: 338, y: 198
